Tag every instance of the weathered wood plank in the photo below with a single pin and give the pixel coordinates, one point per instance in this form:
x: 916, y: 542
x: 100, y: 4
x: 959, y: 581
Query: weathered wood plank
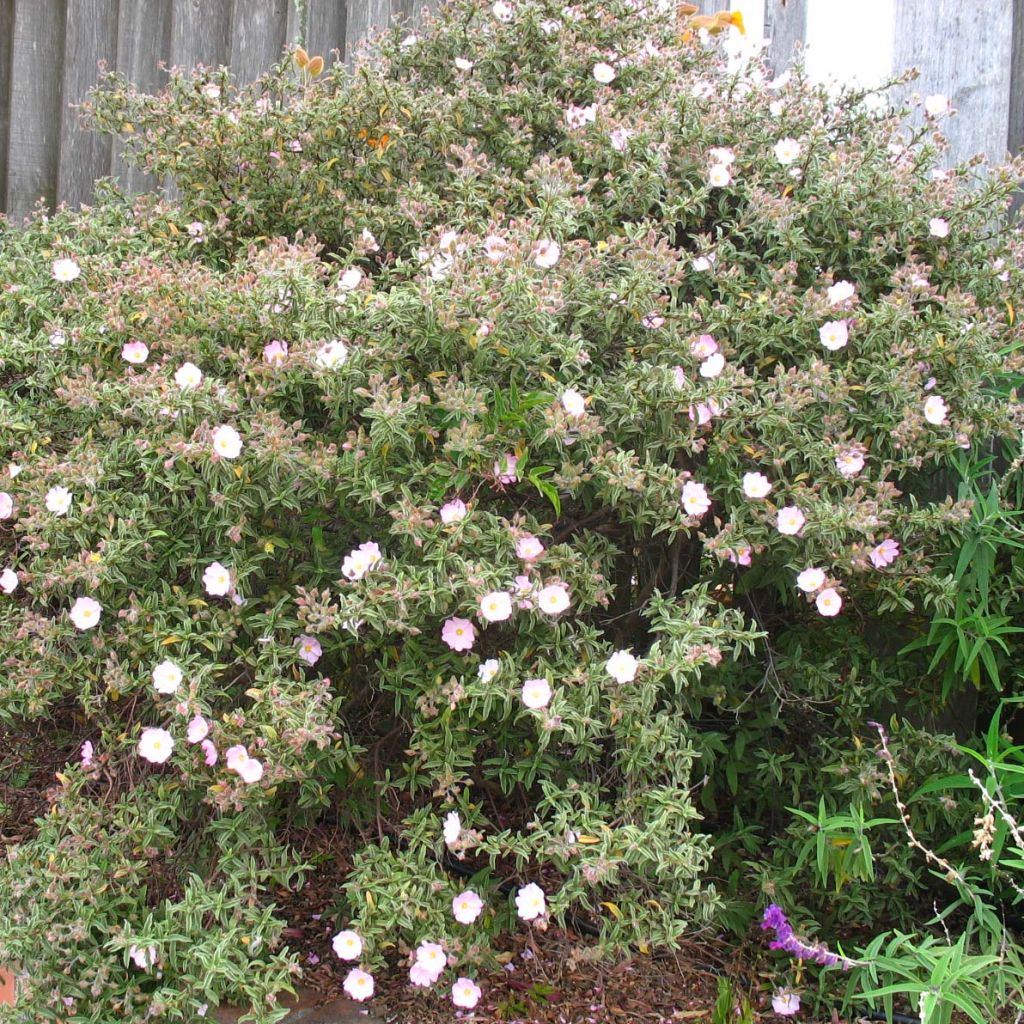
x: 143, y: 42
x: 365, y: 18
x: 785, y: 24
x: 258, y: 34
x: 90, y: 37
x: 200, y: 32
x: 6, y: 55
x: 327, y: 28
x: 964, y: 51
x: 37, y: 47
x: 1015, y: 133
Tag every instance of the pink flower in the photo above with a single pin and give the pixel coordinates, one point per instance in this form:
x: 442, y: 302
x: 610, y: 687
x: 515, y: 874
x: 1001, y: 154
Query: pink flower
x: 680, y: 376
x: 358, y: 562
x: 134, y: 352
x: 935, y: 410
x: 198, y: 729
x: 652, y: 321
x: 719, y: 176
x: 420, y: 976
x: 553, y: 599
x: 309, y: 649
x: 834, y: 335
x: 840, y: 292
x: 574, y: 403
x: 465, y: 993
x: 495, y: 248
x: 332, y: 354
x: 505, y: 469
x: 722, y: 155
x: 453, y: 511
x: 580, y: 117
x: 790, y: 520
x: 545, y: 253
x: 885, y: 553
x: 350, y: 279
x: 347, y: 945
x: 458, y: 634
x: 488, y: 670
x: 787, y: 150
x: 530, y: 902
x: 431, y: 957
x: 495, y: 606
x: 604, y: 73
x: 217, y: 580
x: 188, y: 376
x: 358, y: 984
x: 695, y: 499
x: 829, y: 602
x: 275, y: 353
x: 785, y: 1003
x: 524, y: 591
x: 65, y: 270
x: 700, y: 413
x: 536, y: 693
x: 622, y: 667
x: 502, y: 10
x: 739, y: 555
x: 938, y: 227
x: 155, y: 745
x: 85, y: 613
x: 86, y: 754
x: 850, y: 463
x: 238, y: 760
x: 712, y: 366
x: 452, y: 828
x: 58, y: 500
x: 6, y: 505
x: 528, y: 548
x: 8, y: 581
x: 703, y: 346
x: 619, y: 138
x: 756, y: 485
x: 810, y: 580
x: 227, y: 442
x: 209, y: 752
x: 467, y: 907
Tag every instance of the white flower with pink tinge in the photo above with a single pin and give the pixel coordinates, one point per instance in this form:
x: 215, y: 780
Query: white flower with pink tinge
x: 85, y: 613
x: 227, y: 442
x: 347, y: 945
x: 467, y: 907
x: 155, y: 745
x: 358, y: 985
x: 553, y: 599
x: 536, y: 693
x: 495, y: 606
x: 465, y: 993
x: 530, y: 902
x: 238, y: 760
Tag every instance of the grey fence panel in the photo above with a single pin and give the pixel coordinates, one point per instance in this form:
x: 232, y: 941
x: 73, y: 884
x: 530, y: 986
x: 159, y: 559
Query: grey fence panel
x: 90, y: 37
x: 328, y: 27
x: 37, y: 45
x: 785, y: 23
x: 259, y: 30
x: 6, y: 56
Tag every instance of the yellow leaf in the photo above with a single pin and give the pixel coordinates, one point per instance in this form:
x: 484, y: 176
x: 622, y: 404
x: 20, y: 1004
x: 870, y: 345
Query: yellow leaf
x: 656, y: 905
x: 62, y: 778
x: 616, y: 913
x: 316, y: 65
x: 369, y: 899
x: 644, y: 948
x: 1011, y: 316
x: 168, y: 640
x: 587, y: 840
x: 300, y: 57
x: 255, y: 694
x: 238, y: 472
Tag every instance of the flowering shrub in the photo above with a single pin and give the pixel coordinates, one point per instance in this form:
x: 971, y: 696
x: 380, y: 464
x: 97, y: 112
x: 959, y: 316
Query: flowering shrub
x: 481, y: 424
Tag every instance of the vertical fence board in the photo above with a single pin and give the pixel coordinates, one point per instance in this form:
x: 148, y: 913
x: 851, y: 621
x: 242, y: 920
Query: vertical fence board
x: 328, y: 27
x: 785, y: 24
x: 6, y: 54
x: 1015, y: 132
x: 963, y: 50
x: 201, y: 32
x: 37, y: 48
x: 143, y: 42
x: 90, y: 37
x: 364, y: 19
x: 258, y: 31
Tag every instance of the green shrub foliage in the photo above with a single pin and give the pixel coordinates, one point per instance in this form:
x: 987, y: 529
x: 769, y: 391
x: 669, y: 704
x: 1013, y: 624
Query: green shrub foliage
x: 499, y: 459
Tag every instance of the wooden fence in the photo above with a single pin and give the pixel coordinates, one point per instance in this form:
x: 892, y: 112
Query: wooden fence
x: 49, y: 51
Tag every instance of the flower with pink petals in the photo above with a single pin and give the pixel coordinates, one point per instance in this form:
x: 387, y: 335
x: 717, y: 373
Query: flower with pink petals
x: 739, y: 555
x: 359, y: 561
x: 58, y: 500
x: 850, y: 462
x: 785, y: 1003
x: 155, y: 745
x: 885, y: 553
x: 135, y: 352
x: 573, y: 403
x: 604, y: 73
x: 495, y: 248
x: 695, y: 500
x: 431, y: 957
x: 829, y: 602
x: 420, y: 976
x: 452, y: 828
x: 756, y: 485
x: 790, y: 520
x: 834, y: 335
x: 309, y: 649
x: 458, y: 634
x: 238, y: 761
x: 719, y: 176
x: 938, y: 227
x: 86, y: 754
x: 358, y: 984
x: 545, y: 253
x: 712, y: 366
x: 65, y: 270
x: 495, y: 606
x: 530, y: 902
x: 811, y: 580
x: 553, y: 599
x: 465, y: 993
x: 198, y: 730
x: 217, y: 580
x: 347, y: 945
x: 505, y: 469
x: 188, y: 376
x: 935, y: 410
x: 85, y: 613
x: 227, y: 442
x: 703, y: 346
x: 275, y: 353
x: 841, y: 292
x: 167, y: 677
x: 528, y: 548
x: 536, y: 693
x: 6, y: 505
x: 453, y: 511
x: 467, y: 907
x: 8, y: 581
x: 209, y: 752
x: 619, y: 138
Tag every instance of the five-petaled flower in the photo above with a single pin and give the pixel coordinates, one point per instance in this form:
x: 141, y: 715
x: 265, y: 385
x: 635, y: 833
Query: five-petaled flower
x: 622, y: 667
x: 347, y: 945
x: 553, y: 598
x: 85, y: 613
x: 530, y: 902
x: 167, y: 678
x: 58, y: 500
x: 227, y: 442
x: 358, y: 985
x: 458, y: 634
x: 217, y: 580
x: 536, y: 693
x: 155, y: 745
x: 467, y: 907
